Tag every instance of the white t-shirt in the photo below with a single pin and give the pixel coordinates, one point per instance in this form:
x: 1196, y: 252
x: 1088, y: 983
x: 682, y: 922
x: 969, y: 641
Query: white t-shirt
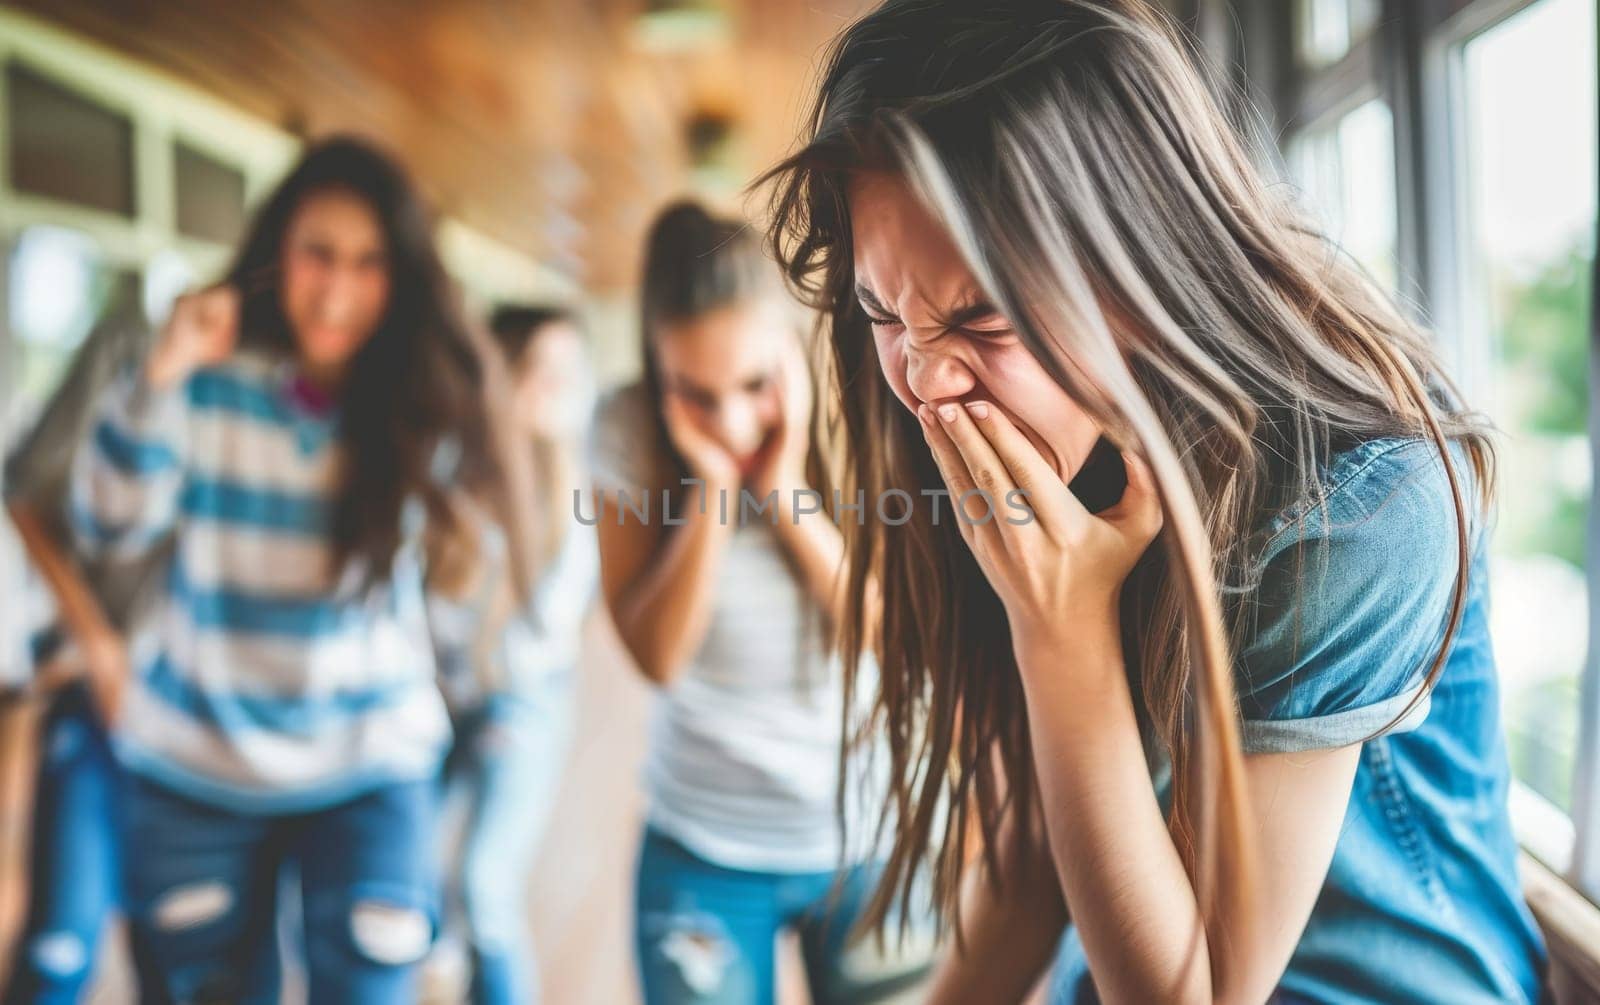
x: 743, y: 764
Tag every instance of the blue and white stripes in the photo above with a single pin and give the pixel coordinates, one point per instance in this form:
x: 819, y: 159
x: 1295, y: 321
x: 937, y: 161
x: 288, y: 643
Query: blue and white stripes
x: 263, y: 682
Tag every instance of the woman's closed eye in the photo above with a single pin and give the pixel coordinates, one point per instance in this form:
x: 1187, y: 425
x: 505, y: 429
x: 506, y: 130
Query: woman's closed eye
x: 989, y: 327
x: 992, y: 329
x: 977, y: 318
x: 877, y: 314
x: 696, y: 397
x: 979, y: 321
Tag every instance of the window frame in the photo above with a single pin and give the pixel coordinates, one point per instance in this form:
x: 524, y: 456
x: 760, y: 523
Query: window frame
x: 1585, y: 868
x: 1438, y: 54
x: 1412, y: 60
x: 166, y: 112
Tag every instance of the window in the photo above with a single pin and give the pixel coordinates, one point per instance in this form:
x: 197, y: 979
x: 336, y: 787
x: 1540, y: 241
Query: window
x: 1325, y: 30
x: 1528, y: 169
x: 62, y: 286
x: 208, y: 194
x: 77, y: 246
x: 59, y: 283
x: 1450, y: 148
x: 1347, y: 173
x: 66, y: 147
x: 167, y: 277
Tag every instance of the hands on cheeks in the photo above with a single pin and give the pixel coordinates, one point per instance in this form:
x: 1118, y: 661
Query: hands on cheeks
x: 1060, y: 573
x: 782, y: 464
x: 707, y: 459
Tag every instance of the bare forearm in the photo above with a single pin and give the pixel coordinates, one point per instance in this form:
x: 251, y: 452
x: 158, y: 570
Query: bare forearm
x: 102, y: 648
x: 1010, y: 933
x: 663, y: 615
x: 1130, y: 897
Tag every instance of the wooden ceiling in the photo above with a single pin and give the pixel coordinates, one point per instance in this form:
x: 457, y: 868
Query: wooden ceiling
x: 556, y: 126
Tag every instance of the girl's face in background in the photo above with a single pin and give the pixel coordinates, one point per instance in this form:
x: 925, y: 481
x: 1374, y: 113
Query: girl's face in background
x: 554, y: 385
x: 334, y: 289
x: 724, y: 366
x: 937, y: 337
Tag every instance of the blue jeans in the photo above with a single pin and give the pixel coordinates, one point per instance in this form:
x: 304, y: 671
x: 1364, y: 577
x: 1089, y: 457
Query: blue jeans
x: 705, y: 934
x: 202, y: 891
x: 506, y: 761
x: 75, y: 882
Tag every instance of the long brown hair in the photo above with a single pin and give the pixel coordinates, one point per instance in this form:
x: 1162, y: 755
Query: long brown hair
x: 515, y: 328
x: 1110, y: 210
x: 695, y: 263
x: 420, y: 385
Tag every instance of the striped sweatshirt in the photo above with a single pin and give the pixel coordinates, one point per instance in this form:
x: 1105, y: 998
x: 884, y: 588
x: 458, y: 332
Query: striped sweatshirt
x: 259, y: 685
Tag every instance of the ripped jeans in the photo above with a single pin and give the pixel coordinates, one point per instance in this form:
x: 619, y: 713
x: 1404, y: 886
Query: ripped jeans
x: 706, y: 935
x: 202, y: 896
x: 74, y: 868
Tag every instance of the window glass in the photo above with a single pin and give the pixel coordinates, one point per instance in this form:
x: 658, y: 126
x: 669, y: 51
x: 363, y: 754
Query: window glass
x: 1325, y: 30
x: 64, y: 146
x: 1528, y: 99
x: 58, y: 283
x: 167, y: 276
x: 208, y: 194
x: 1347, y: 173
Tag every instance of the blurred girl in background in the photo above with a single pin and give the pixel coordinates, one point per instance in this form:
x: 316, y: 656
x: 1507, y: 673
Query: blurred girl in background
x: 289, y: 430
x: 731, y: 620
x: 80, y: 610
x: 512, y: 695
x: 61, y: 781
x: 1261, y: 760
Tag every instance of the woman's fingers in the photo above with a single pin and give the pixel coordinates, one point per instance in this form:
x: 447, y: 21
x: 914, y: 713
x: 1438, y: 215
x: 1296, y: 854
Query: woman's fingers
x: 1138, y: 513
x: 954, y: 470
x: 987, y: 472
x: 983, y: 496
x: 218, y: 311
x: 957, y: 479
x: 706, y: 457
x: 1046, y: 496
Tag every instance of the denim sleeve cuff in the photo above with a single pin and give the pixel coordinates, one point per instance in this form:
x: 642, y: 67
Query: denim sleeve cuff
x: 1339, y: 729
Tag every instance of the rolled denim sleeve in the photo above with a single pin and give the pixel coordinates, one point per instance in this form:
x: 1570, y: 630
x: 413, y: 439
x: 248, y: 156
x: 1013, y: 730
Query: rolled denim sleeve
x: 1351, y: 604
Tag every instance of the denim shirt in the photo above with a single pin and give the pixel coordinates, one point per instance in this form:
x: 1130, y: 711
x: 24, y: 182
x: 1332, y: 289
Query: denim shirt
x: 1421, y: 903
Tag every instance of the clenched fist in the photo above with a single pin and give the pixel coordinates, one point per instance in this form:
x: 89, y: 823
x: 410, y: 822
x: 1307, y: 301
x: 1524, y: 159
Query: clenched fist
x: 203, y: 329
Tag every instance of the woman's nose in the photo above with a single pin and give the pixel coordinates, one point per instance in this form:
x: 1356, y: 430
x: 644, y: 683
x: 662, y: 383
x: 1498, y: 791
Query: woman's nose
x: 933, y: 374
x: 341, y: 291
